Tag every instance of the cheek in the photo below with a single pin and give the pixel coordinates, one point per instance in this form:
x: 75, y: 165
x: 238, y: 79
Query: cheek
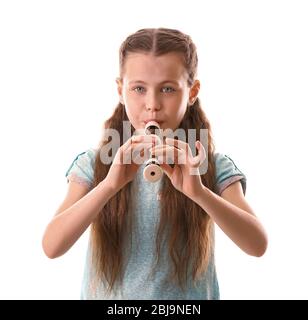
x: 179, y: 107
x: 131, y: 112
x: 132, y: 107
x: 131, y: 99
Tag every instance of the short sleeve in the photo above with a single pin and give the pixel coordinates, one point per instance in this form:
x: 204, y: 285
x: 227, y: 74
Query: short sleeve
x: 227, y: 173
x: 82, y: 168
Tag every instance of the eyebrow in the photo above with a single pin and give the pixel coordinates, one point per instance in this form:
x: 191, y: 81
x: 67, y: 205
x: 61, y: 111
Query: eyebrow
x: 163, y: 82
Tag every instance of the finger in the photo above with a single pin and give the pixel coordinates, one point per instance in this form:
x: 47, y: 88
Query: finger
x: 130, y: 141
x: 140, y: 138
x: 139, y: 159
x: 167, y: 169
x: 141, y: 147
x: 198, y: 160
x: 164, y: 153
x: 137, y: 152
x: 147, y: 138
x: 178, y: 144
x: 168, y: 154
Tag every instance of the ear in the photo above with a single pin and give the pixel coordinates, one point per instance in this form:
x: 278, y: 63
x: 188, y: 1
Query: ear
x: 120, y: 89
x: 193, y: 92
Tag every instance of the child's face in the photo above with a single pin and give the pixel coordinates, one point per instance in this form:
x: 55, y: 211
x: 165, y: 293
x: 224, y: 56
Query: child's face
x: 155, y: 88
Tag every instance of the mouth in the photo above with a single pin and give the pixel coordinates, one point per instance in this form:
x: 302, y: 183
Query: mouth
x: 150, y: 120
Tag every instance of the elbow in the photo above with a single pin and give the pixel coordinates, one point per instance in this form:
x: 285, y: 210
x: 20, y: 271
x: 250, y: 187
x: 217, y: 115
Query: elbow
x: 261, y: 247
x: 48, y: 250
x: 51, y: 243
x: 49, y: 253
x: 260, y: 252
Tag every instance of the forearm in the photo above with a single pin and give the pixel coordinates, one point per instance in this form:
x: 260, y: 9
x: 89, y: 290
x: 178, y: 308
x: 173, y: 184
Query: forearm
x: 242, y: 227
x: 66, y: 227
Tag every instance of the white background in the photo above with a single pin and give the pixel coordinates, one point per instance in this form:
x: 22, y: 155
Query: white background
x: 58, y: 62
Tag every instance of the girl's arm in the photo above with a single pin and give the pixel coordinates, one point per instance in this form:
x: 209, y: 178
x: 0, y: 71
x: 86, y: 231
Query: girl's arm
x: 233, y: 215
x: 76, y: 213
x: 80, y: 208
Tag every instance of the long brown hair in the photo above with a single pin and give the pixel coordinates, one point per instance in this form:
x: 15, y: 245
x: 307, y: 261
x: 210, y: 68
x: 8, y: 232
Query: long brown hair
x: 187, y: 226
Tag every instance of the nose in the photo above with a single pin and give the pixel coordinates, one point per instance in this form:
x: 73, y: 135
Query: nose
x: 152, y: 102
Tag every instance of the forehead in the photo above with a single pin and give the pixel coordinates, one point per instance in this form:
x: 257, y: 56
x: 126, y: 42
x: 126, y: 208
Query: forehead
x: 148, y: 68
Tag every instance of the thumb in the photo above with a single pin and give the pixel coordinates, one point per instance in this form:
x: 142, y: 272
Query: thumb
x: 197, y: 160
x: 167, y: 169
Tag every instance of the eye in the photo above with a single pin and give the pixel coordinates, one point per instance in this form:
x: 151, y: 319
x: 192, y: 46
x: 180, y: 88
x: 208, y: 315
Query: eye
x: 139, y: 89
x: 167, y: 89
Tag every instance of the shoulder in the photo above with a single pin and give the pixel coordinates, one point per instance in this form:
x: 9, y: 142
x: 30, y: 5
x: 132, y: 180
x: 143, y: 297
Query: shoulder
x: 81, y: 169
x: 227, y: 173
x: 87, y: 154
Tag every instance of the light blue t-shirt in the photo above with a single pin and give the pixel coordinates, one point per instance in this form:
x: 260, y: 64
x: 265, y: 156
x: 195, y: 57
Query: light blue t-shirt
x: 139, y: 283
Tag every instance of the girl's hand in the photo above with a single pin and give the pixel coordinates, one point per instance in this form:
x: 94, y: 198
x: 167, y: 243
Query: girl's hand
x: 128, y: 159
x: 185, y: 164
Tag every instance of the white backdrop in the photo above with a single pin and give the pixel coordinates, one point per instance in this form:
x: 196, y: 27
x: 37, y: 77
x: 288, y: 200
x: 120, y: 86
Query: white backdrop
x: 58, y: 63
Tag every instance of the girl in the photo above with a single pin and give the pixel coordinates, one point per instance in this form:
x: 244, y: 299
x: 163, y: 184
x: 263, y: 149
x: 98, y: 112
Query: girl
x: 154, y: 240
